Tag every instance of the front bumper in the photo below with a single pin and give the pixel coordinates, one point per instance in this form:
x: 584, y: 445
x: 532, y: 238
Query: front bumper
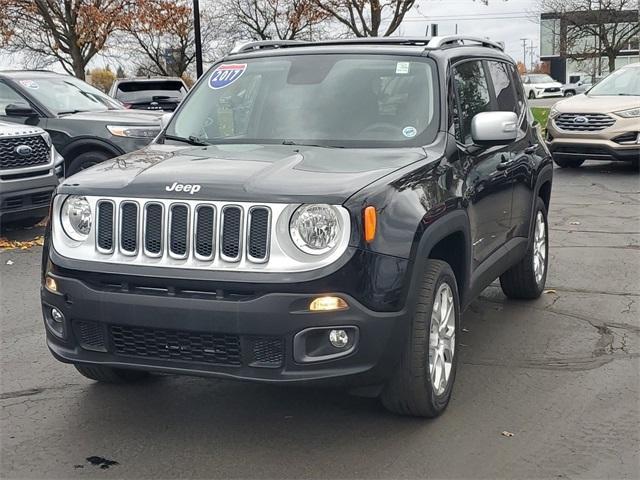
x: 251, y: 337
x: 592, y: 149
x: 28, y: 203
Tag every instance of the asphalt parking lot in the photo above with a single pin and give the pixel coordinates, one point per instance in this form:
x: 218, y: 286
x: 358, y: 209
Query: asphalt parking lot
x: 561, y: 374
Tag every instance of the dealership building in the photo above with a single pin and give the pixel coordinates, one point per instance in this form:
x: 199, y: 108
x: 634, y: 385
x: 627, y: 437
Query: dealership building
x: 566, y: 56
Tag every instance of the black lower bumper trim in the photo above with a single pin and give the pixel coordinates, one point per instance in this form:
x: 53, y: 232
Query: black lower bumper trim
x: 249, y: 339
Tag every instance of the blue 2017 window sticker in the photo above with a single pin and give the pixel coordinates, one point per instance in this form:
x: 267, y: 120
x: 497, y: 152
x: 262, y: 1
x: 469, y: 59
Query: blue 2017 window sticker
x: 225, y: 75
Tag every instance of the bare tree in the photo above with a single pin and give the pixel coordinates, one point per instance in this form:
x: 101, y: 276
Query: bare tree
x: 159, y: 36
x: 70, y: 32
x: 368, y: 18
x: 274, y: 19
x: 590, y: 29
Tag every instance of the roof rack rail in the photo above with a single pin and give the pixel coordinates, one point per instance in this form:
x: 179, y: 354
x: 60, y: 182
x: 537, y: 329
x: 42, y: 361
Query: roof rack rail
x: 259, y: 44
x: 452, y: 40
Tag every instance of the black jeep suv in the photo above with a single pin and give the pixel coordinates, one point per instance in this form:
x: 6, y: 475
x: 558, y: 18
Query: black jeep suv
x: 312, y: 213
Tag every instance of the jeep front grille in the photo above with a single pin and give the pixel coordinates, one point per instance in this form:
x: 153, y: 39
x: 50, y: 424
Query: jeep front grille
x: 189, y: 234
x: 10, y: 158
x: 184, y: 230
x: 583, y: 122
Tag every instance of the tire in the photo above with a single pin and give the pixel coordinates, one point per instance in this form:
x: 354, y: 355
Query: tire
x: 524, y: 280
x: 111, y: 375
x: 532, y: 95
x: 411, y: 391
x: 563, y: 163
x: 86, y: 160
x: 569, y: 93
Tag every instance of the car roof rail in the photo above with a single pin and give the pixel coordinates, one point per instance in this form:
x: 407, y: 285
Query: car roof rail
x: 459, y: 40
x: 260, y: 44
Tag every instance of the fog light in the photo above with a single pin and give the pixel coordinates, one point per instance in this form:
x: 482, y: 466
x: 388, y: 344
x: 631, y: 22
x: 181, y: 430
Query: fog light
x: 57, y: 315
x: 51, y: 285
x: 325, y: 304
x: 338, y: 338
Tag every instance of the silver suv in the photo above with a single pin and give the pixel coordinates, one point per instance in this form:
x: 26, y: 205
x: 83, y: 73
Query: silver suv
x: 30, y: 169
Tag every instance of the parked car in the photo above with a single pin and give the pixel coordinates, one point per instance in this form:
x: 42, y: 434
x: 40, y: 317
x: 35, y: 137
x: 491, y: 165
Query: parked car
x: 603, y: 124
x: 540, y: 85
x: 30, y: 169
x: 312, y: 213
x: 571, y: 89
x: 86, y: 126
x: 159, y: 93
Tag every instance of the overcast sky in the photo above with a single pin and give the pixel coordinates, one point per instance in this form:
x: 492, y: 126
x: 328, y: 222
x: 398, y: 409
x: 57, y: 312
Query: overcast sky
x: 505, y: 20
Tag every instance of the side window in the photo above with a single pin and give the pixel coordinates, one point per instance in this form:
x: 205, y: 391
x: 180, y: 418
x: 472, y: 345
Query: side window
x: 7, y: 96
x: 473, y: 96
x: 503, y: 86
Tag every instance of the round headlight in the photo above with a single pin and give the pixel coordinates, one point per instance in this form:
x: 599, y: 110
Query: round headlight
x: 76, y: 217
x: 315, y: 229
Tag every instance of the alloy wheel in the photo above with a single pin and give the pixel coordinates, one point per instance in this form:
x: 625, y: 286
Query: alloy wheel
x: 539, y: 248
x: 442, y: 336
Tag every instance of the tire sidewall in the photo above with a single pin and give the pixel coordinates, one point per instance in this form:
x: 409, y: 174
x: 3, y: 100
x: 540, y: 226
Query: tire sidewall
x: 86, y: 160
x: 442, y: 400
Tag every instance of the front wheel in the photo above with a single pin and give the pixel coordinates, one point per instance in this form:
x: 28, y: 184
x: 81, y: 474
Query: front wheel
x: 569, y: 93
x: 532, y: 95
x: 423, y: 381
x: 86, y: 160
x: 526, y: 279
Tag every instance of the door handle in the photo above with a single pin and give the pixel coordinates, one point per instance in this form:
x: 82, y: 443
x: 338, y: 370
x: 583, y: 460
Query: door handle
x: 531, y: 149
x: 503, y: 165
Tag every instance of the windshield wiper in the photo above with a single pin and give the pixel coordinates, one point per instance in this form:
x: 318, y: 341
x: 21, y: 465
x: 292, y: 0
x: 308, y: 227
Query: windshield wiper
x: 71, y: 112
x: 191, y: 140
x: 290, y: 142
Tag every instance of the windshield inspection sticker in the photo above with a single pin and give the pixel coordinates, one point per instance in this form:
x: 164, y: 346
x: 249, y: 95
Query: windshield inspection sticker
x: 29, y: 84
x: 225, y: 75
x: 402, y: 68
x: 409, y: 132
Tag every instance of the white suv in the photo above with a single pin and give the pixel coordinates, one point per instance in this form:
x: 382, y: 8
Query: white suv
x: 541, y: 85
x: 30, y: 169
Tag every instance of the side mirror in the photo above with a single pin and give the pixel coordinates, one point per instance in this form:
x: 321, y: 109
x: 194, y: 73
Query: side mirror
x: 165, y: 119
x: 20, y: 110
x: 580, y: 83
x: 494, y: 128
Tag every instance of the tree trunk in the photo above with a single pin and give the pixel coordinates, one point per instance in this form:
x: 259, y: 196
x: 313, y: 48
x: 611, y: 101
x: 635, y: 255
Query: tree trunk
x: 612, y: 62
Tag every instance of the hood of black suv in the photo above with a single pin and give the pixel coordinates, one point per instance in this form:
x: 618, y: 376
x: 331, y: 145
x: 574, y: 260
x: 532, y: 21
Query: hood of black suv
x: 255, y: 173
x: 128, y: 117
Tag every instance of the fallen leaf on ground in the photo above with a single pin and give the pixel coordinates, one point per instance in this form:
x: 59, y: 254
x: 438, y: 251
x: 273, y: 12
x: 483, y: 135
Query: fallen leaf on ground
x: 574, y: 223
x: 551, y: 290
x: 9, y: 262
x: 6, y: 244
x: 507, y: 434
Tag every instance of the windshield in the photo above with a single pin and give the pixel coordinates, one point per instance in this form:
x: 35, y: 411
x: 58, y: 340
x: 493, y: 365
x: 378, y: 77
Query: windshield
x: 625, y: 81
x: 327, y: 100
x: 541, y: 79
x: 68, y: 94
x: 154, y: 90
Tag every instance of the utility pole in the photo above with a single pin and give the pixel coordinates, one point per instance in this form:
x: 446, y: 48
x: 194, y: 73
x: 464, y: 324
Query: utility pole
x: 524, y: 52
x: 196, y: 33
x: 532, y: 50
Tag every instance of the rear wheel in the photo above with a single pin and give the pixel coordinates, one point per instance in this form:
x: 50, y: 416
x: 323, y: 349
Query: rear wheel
x: 103, y: 374
x: 526, y: 279
x: 86, y: 160
x: 423, y: 381
x: 563, y: 163
x: 532, y: 95
x: 569, y: 93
